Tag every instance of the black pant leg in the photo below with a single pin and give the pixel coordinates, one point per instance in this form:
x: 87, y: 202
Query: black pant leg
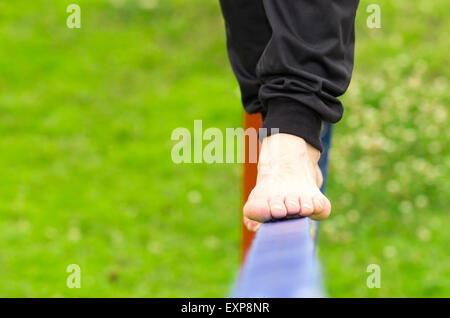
x: 248, y: 32
x: 304, y: 66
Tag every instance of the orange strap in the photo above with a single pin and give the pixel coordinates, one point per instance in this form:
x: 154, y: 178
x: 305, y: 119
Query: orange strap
x: 249, y: 173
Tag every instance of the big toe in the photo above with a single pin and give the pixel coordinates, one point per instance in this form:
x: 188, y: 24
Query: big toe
x: 257, y: 210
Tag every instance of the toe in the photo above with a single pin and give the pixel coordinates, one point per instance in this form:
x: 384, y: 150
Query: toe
x: 292, y: 204
x: 257, y: 210
x: 318, y: 205
x: 251, y: 225
x: 324, y: 212
x: 277, y: 207
x: 307, y: 205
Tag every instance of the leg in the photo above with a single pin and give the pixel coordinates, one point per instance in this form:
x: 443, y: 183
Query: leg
x: 306, y: 65
x: 248, y: 32
x: 294, y: 80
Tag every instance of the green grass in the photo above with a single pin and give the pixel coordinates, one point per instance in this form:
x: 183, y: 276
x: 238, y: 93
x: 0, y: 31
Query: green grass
x: 86, y: 175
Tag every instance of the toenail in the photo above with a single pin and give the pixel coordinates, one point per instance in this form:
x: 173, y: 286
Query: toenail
x: 277, y: 206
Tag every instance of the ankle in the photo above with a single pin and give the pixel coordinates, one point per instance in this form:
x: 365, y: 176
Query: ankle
x: 290, y: 146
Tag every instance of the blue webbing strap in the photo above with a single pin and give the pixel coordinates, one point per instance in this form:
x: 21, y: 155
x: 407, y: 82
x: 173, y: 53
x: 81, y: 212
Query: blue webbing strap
x: 282, y: 261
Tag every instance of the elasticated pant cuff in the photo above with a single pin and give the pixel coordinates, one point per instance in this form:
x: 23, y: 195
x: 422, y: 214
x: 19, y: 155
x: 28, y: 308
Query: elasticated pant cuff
x: 291, y: 117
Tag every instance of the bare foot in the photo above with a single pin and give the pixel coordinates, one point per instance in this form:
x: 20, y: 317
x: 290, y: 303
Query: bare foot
x: 288, y: 182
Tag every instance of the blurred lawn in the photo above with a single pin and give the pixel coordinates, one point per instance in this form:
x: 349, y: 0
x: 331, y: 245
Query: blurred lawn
x: 86, y: 175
